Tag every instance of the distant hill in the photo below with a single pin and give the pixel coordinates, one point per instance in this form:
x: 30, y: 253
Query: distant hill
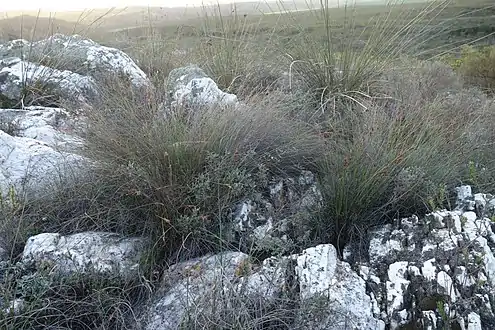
x: 35, y: 28
x: 133, y: 21
x: 123, y: 18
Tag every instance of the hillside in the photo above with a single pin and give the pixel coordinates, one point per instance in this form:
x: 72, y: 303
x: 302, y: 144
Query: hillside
x: 328, y: 168
x: 117, y: 19
x: 33, y: 27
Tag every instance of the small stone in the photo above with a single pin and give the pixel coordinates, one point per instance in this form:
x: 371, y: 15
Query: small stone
x: 429, y: 270
x: 429, y: 320
x: 463, y: 193
x: 445, y: 286
x: 474, y: 322
x: 191, y: 87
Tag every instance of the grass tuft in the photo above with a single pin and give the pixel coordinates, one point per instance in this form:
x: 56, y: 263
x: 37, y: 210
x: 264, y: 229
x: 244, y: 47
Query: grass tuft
x: 346, y: 59
x: 394, y: 160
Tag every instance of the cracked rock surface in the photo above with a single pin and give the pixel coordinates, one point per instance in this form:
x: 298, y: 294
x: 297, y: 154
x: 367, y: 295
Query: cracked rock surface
x: 428, y: 273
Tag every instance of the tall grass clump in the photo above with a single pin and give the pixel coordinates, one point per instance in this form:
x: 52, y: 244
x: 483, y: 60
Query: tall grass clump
x: 181, y: 170
x: 235, y: 50
x: 401, y: 156
x: 344, y: 59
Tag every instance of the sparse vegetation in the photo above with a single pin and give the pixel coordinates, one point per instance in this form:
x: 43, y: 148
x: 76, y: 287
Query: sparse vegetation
x: 68, y: 303
x: 357, y: 100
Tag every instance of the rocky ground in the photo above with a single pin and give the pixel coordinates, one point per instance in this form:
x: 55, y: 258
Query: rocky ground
x: 432, y: 272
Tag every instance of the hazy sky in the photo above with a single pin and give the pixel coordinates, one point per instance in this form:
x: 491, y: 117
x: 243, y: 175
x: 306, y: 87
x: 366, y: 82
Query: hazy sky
x: 57, y: 5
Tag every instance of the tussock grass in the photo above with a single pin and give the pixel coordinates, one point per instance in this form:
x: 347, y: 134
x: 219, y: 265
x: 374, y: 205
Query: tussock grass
x: 345, y: 60
x: 174, y: 179
x: 228, y: 43
x: 396, y: 159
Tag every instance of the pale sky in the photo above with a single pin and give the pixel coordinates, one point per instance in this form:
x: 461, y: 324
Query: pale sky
x: 62, y: 5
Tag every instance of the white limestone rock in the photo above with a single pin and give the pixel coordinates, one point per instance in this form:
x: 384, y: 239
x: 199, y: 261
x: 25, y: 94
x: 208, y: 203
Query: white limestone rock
x: 429, y: 320
x: 191, y: 87
x: 19, y: 77
x: 268, y: 282
x: 86, y: 253
x: 53, y: 126
x: 83, y: 56
x: 429, y: 270
x: 28, y: 165
x: 321, y: 275
x: 464, y: 193
x: 445, y: 257
x: 381, y: 246
x: 242, y: 216
x: 446, y: 286
x: 397, y: 286
x: 191, y: 287
x: 314, y: 275
x: 474, y: 322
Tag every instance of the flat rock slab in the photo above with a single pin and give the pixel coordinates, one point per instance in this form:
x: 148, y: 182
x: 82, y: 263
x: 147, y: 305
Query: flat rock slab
x: 86, y: 253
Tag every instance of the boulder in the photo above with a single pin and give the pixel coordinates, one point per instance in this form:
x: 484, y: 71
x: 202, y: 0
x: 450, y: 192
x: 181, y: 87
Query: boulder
x: 86, y: 253
x: 28, y: 165
x: 190, y: 287
x: 25, y: 82
x: 330, y: 295
x: 54, y: 126
x: 438, y: 271
x: 191, y: 87
x: 37, y: 145
x: 80, y: 55
x: 323, y: 278
x: 63, y: 68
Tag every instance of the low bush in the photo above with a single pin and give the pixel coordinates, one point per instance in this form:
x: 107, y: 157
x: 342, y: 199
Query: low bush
x: 476, y: 65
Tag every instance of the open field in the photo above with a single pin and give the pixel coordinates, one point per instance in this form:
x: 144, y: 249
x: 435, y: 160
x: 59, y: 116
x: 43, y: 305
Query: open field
x: 277, y: 27
x: 461, y: 19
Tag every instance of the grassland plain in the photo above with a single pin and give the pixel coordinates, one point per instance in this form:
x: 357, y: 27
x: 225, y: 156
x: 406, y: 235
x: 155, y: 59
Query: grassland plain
x: 356, y: 94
